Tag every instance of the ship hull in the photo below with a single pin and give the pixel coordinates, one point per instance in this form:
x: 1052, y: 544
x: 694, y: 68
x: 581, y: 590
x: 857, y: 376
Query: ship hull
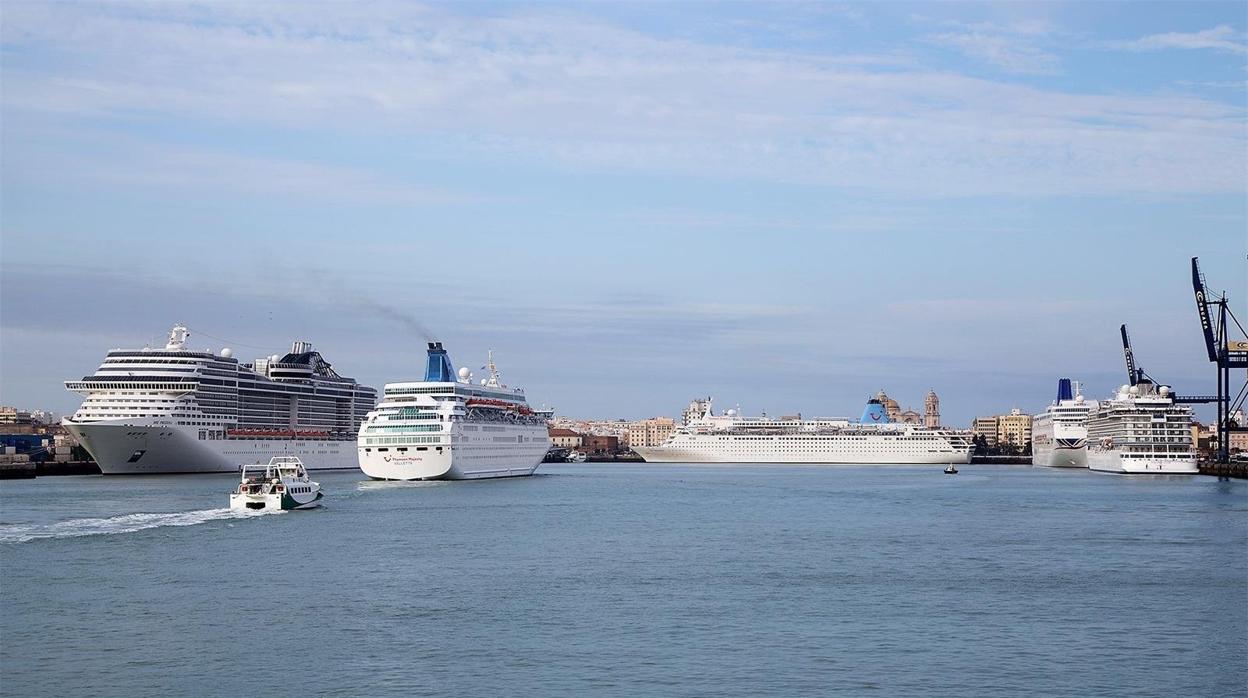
x: 1071, y: 452
x: 1062, y: 458
x: 1111, y: 461
x: 509, y: 450
x: 456, y: 462
x: 129, y: 449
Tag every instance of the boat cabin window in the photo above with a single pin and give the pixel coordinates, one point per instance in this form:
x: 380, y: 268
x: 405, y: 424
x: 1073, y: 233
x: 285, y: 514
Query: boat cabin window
x: 383, y: 449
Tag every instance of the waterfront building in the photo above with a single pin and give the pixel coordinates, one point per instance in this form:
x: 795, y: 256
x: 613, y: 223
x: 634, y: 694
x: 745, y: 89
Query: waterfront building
x: 1238, y: 441
x: 910, y: 416
x: 12, y: 415
x: 650, y: 432
x: 695, y: 411
x: 603, y: 427
x: 1014, y: 428
x: 564, y: 438
x: 1204, y: 438
x: 596, y: 443
x: 986, y: 429
x: 931, y: 410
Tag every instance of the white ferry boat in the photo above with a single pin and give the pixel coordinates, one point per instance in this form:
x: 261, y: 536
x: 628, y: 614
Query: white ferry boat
x: 175, y: 410
x: 731, y: 438
x: 446, y: 428
x: 282, y: 483
x: 1059, y: 435
x: 1141, y: 430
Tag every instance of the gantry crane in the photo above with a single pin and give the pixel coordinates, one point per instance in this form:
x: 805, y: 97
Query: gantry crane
x: 1225, y: 353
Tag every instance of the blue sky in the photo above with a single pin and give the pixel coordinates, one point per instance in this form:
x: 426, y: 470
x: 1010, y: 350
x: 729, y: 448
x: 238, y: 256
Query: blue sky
x: 787, y: 206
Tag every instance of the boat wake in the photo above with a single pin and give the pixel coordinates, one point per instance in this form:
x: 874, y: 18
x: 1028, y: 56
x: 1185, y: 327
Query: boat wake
x: 126, y: 523
x: 374, y: 485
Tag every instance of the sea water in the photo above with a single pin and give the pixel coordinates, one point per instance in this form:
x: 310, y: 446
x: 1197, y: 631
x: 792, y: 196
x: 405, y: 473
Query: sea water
x: 628, y: 580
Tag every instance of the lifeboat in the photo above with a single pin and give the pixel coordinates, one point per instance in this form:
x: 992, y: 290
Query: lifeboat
x: 275, y: 434
x: 486, y: 402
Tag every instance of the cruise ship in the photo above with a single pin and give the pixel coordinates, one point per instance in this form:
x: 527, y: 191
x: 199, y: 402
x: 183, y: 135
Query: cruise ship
x: 1141, y: 430
x: 1059, y: 435
x: 731, y: 438
x: 176, y: 410
x: 446, y: 428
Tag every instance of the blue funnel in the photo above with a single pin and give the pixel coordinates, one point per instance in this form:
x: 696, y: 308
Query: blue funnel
x: 439, y: 369
x: 874, y: 413
x: 1063, y: 390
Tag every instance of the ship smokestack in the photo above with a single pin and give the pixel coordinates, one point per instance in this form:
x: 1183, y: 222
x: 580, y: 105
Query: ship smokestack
x: 1063, y: 390
x: 874, y: 413
x: 438, y: 368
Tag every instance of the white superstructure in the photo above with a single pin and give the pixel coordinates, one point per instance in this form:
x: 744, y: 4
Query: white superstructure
x: 446, y: 428
x: 731, y: 438
x: 1141, y: 430
x: 176, y: 410
x: 1059, y: 435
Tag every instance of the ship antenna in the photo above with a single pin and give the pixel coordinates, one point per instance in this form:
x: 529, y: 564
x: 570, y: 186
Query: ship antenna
x: 489, y: 365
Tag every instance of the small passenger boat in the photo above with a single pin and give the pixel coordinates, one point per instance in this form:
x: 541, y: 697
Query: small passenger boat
x: 951, y: 470
x: 282, y: 483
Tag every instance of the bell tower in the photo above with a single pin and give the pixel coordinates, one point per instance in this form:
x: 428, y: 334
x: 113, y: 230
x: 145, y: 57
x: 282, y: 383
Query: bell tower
x: 931, y: 410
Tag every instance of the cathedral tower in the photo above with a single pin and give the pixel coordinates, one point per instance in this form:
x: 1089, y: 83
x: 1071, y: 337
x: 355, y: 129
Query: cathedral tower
x: 931, y: 410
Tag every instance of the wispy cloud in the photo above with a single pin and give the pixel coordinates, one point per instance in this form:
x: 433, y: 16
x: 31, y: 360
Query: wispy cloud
x: 577, y: 93
x: 1220, y: 38
x: 1005, y: 52
x: 1014, y: 48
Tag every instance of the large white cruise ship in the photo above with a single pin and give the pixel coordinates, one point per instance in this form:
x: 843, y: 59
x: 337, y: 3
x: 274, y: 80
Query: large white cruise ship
x: 1059, y: 435
x: 1141, y: 430
x: 446, y: 428
x: 731, y: 438
x: 175, y: 410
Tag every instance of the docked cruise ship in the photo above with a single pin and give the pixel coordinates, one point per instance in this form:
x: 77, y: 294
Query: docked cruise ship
x: 446, y: 428
x: 176, y: 410
x: 1141, y: 430
x: 731, y: 438
x: 1059, y: 435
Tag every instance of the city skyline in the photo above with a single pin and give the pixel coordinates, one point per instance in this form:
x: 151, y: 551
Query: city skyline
x: 787, y: 207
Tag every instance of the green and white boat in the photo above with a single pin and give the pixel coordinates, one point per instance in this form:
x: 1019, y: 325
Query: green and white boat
x: 282, y: 484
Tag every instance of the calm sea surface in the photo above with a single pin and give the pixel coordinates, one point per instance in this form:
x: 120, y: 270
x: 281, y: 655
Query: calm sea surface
x: 632, y: 580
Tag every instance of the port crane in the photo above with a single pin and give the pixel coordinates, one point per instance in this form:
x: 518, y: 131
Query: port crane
x: 1225, y: 353
x: 1216, y: 320
x: 1135, y: 374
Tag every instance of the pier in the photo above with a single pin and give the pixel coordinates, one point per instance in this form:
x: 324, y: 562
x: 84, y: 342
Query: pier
x: 1236, y: 468
x: 31, y: 469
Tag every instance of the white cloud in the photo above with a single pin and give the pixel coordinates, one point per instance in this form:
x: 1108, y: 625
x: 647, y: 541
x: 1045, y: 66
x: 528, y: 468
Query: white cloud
x: 584, y: 95
x: 1009, y: 53
x: 1219, y: 38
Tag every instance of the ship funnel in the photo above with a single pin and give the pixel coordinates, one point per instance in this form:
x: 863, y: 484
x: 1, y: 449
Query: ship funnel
x: 438, y: 369
x: 1063, y: 390
x: 874, y: 413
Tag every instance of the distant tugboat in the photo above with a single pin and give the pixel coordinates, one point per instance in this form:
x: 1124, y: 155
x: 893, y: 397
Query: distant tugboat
x: 951, y: 470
